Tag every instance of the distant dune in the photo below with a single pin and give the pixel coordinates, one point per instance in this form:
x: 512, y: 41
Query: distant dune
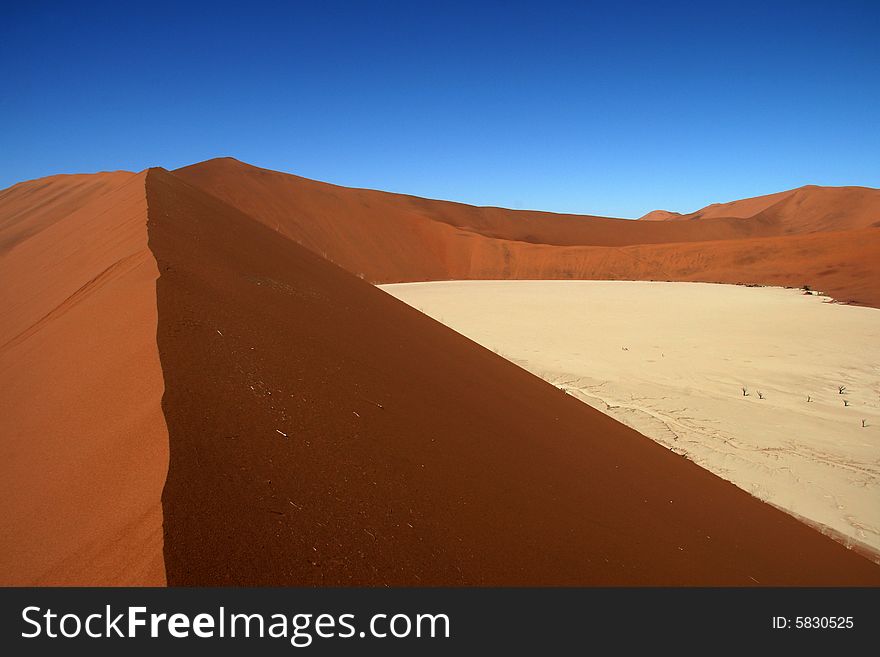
x: 827, y: 238
x: 741, y: 209
x: 312, y: 430
x: 661, y: 215
x: 806, y: 209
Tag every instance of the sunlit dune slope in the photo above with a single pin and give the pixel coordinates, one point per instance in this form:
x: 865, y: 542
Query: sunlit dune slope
x: 84, y: 448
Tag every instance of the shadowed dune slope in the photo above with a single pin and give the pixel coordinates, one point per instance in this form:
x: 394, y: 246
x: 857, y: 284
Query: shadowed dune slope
x: 394, y: 238
x: 83, y: 456
x: 322, y: 432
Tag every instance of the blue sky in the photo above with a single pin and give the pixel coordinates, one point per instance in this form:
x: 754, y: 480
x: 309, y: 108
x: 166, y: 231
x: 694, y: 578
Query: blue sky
x: 608, y: 108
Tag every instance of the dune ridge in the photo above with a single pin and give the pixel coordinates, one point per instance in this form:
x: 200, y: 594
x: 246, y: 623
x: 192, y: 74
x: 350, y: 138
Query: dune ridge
x: 323, y: 433
x: 806, y: 209
x: 827, y: 238
x: 197, y: 399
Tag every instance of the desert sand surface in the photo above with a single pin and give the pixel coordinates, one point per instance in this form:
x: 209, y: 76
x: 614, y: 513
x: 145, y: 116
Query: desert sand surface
x: 322, y: 432
x: 825, y: 237
x: 671, y: 359
x: 84, y: 446
x: 202, y: 390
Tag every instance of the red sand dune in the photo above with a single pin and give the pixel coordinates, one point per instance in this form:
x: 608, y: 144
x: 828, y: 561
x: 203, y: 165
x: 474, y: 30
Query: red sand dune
x: 84, y: 443
x: 314, y: 430
x: 388, y: 238
x: 739, y: 209
x: 324, y: 433
x: 660, y: 215
x: 803, y: 210
x: 324, y: 216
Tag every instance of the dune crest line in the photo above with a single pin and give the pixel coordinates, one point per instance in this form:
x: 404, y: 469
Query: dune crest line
x: 204, y: 387
x: 323, y: 433
x: 824, y: 237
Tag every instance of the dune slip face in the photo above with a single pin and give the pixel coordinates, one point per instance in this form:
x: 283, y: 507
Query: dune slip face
x: 324, y: 433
